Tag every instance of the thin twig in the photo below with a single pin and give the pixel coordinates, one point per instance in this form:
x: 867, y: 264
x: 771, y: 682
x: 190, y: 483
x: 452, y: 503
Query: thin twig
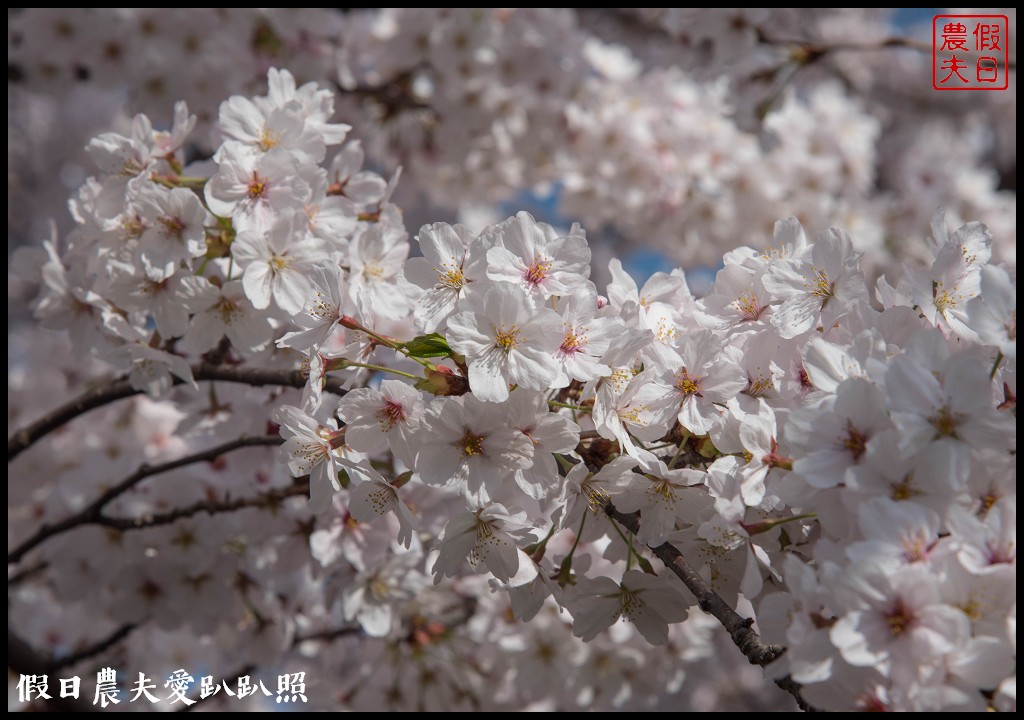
x: 739, y: 628
x: 814, y: 50
x: 395, y: 95
x: 117, y: 389
x: 23, y: 659
x: 92, y: 514
x: 210, y: 507
x: 327, y: 635
x: 26, y: 573
x: 93, y: 650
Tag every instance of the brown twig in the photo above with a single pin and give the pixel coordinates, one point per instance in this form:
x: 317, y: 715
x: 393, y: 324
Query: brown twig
x: 394, y: 95
x: 24, y: 660
x: 26, y: 573
x: 739, y: 628
x: 813, y: 50
x: 93, y: 650
x: 327, y: 635
x: 115, y: 390
x: 210, y: 507
x: 92, y: 513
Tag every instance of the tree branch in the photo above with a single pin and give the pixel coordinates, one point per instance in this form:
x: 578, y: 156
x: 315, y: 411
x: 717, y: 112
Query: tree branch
x: 267, y: 499
x: 738, y: 627
x: 120, y: 388
x: 815, y: 50
x: 92, y: 514
x: 24, y: 660
x: 394, y: 95
x: 26, y: 573
x: 327, y: 635
x: 93, y: 650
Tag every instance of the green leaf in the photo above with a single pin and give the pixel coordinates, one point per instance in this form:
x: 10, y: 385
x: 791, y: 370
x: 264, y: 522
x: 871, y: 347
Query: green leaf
x: 427, y: 346
x: 645, y: 564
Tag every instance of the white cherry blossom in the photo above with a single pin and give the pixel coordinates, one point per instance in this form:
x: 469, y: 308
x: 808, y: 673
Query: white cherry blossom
x: 505, y: 341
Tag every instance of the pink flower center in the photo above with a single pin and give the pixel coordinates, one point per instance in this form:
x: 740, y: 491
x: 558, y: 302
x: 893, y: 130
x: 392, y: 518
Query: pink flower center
x: 916, y: 546
x: 900, y: 618
x: 537, y: 272
x: 945, y: 422
x: 257, y: 186
x: 573, y: 342
x: 173, y: 227
x: 390, y: 415
x: 747, y: 306
x: 687, y: 384
x: 855, y: 441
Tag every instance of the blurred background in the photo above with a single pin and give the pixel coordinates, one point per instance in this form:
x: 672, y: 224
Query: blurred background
x: 671, y: 135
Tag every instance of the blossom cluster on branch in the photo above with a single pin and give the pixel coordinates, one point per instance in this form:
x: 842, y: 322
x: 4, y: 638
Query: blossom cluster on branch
x: 835, y: 458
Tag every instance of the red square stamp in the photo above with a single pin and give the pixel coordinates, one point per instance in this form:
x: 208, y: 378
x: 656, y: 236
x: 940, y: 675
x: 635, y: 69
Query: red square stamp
x: 970, y: 52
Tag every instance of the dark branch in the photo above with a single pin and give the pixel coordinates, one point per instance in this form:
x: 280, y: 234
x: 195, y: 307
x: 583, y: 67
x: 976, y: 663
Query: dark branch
x: 92, y: 513
x: 22, y: 659
x: 26, y: 573
x: 327, y: 635
x: 395, y: 95
x: 271, y: 498
x: 93, y: 650
x: 118, y: 389
x: 814, y: 50
x: 738, y: 627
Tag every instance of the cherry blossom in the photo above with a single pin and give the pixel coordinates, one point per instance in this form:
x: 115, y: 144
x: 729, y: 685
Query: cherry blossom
x: 445, y: 271
x: 276, y: 263
x: 505, y: 340
x: 487, y: 537
x: 645, y: 601
x: 526, y: 253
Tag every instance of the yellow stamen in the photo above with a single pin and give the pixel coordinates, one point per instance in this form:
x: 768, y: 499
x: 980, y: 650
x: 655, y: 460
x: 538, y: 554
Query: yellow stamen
x: 688, y: 385
x: 537, y: 272
x: 821, y: 286
x: 269, y: 140
x: 257, y: 186
x: 450, y: 276
x: 507, y: 339
x: 471, y: 445
x: 747, y: 306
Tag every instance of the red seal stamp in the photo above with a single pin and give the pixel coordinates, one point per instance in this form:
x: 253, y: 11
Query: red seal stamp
x: 970, y: 52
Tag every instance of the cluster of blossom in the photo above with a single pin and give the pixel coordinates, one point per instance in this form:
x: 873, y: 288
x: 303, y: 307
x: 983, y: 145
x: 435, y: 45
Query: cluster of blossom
x: 149, y: 275
x: 843, y: 470
x: 132, y: 48
x: 694, y: 130
x: 76, y: 72
x: 265, y: 585
x: 638, y: 145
